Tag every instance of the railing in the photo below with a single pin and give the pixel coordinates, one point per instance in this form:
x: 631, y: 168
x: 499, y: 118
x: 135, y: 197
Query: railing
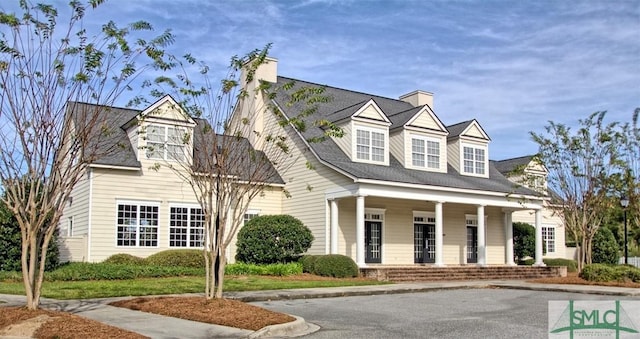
x: 635, y: 261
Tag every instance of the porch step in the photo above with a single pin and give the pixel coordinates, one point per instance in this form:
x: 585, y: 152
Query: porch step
x: 432, y: 273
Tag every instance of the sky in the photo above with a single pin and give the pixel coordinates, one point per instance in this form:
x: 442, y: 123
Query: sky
x: 511, y: 65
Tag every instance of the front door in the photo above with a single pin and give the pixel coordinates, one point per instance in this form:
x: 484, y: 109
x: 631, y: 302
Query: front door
x: 472, y: 245
x: 373, y: 241
x: 424, y: 243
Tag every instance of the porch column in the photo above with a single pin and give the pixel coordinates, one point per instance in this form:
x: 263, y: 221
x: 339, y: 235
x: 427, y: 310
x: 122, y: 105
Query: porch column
x: 439, y: 234
x: 482, y: 246
x: 334, y: 226
x: 360, y: 231
x: 539, y: 261
x: 508, y: 235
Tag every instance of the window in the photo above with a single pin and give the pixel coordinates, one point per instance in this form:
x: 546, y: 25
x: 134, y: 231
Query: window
x: 549, y: 238
x: 186, y: 227
x: 425, y: 153
x: 165, y: 142
x: 137, y: 225
x: 250, y: 215
x: 474, y: 160
x: 70, y: 227
x: 370, y: 145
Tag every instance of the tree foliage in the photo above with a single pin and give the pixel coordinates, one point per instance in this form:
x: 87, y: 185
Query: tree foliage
x: 43, y: 66
x: 524, y: 240
x: 586, y: 167
x: 605, y: 247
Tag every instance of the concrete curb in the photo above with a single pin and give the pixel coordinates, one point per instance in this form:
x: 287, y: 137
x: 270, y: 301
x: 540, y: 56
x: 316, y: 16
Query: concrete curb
x: 569, y: 289
x: 296, y: 328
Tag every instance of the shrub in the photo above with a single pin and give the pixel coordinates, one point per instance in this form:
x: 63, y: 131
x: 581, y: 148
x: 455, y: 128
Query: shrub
x: 181, y: 258
x: 335, y: 265
x: 524, y: 240
x: 11, y: 244
x: 605, y: 247
x: 124, y: 258
x: 270, y: 269
x: 308, y: 263
x: 104, y: 271
x: 572, y: 266
x: 272, y: 239
x: 599, y: 272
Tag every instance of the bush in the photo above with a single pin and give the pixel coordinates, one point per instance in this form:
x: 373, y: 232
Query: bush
x: 272, y: 239
x: 180, y: 258
x: 604, y: 273
x: 572, y: 266
x: 11, y: 244
x: 524, y: 240
x: 308, y: 263
x: 103, y: 271
x: 271, y: 269
x: 335, y: 265
x: 124, y: 259
x: 605, y: 248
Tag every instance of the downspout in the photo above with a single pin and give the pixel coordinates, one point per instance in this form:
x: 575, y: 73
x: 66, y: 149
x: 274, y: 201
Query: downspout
x: 90, y: 177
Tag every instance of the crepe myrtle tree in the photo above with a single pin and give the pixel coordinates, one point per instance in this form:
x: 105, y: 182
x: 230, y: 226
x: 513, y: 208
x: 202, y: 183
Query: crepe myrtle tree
x: 582, y: 166
x: 229, y: 161
x: 44, y: 66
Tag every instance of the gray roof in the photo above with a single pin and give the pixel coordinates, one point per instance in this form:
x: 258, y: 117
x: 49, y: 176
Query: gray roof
x: 114, y: 148
x: 509, y: 165
x: 329, y: 152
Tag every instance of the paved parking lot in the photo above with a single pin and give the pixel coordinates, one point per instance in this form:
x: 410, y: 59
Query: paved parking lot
x: 466, y: 313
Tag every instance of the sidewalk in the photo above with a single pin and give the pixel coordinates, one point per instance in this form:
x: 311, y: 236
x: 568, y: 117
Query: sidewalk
x: 157, y: 326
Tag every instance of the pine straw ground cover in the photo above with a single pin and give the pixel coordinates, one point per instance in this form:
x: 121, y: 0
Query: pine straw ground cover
x: 572, y: 278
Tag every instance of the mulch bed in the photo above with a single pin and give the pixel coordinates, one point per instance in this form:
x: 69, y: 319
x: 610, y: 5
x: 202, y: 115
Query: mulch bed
x: 572, y: 278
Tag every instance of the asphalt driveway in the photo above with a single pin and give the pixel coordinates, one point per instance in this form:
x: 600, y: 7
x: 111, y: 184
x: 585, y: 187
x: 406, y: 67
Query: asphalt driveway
x: 466, y: 313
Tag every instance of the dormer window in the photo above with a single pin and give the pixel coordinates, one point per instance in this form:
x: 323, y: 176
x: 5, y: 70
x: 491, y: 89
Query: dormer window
x: 474, y: 160
x: 425, y: 152
x: 165, y: 142
x: 371, y: 144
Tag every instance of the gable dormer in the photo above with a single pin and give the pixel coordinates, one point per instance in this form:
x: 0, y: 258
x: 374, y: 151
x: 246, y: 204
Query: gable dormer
x: 163, y: 131
x: 527, y: 171
x: 419, y: 139
x: 468, y: 148
x: 366, y: 130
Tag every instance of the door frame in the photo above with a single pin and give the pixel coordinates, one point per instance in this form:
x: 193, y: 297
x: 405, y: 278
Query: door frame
x: 425, y: 220
x: 373, y: 215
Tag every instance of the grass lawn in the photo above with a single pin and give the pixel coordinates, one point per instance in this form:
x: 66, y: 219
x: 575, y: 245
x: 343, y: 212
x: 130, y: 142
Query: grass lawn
x: 174, y: 285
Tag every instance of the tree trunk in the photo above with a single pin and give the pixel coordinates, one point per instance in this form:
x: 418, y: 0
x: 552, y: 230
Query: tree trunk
x: 222, y: 262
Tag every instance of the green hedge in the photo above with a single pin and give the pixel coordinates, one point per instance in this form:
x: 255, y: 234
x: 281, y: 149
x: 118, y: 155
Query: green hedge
x: 104, y: 271
x: 335, y: 265
x: 181, y: 258
x: 572, y: 265
x: 125, y: 259
x: 308, y: 263
x: 270, y: 269
x: 605, y: 273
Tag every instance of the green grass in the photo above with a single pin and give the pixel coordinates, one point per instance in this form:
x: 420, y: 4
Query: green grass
x: 174, y: 285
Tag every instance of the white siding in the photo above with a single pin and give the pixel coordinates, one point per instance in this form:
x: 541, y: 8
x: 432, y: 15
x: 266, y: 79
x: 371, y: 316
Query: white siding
x: 398, y: 149
x: 453, y: 154
x: 372, y: 113
x: 345, y: 142
x: 474, y: 131
x: 424, y: 119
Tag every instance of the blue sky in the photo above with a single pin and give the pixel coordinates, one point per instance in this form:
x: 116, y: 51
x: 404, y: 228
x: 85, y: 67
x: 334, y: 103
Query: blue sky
x: 512, y: 65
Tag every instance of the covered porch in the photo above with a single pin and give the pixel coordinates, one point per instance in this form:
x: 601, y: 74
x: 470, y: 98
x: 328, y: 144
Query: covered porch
x: 400, y: 225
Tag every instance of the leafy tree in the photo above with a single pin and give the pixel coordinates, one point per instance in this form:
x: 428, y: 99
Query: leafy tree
x: 240, y: 145
x: 524, y: 240
x: 45, y: 152
x: 581, y: 167
x: 605, y: 247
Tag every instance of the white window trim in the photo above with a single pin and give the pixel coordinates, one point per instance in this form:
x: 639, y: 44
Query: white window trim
x: 423, y: 214
x: 249, y: 211
x: 486, y: 159
x: 138, y: 203
x: 165, y: 143
x: 182, y: 205
x: 70, y: 222
x: 426, y: 154
x: 545, y: 240
x: 354, y: 143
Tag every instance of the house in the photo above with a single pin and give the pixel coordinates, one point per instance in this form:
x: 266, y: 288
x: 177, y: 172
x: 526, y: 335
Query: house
x: 529, y: 172
x: 400, y: 187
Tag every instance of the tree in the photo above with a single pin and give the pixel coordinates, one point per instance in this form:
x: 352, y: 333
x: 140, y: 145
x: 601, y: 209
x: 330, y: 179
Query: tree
x: 629, y: 160
x: 524, y: 240
x: 233, y: 161
x: 581, y: 169
x: 45, y: 152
